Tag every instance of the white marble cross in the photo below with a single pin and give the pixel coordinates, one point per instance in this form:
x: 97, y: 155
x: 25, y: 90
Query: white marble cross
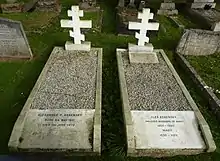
x: 143, y: 26
x: 76, y: 24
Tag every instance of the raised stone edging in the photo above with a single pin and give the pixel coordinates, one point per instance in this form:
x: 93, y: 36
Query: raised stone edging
x: 207, y: 93
x: 16, y: 135
x: 131, y: 148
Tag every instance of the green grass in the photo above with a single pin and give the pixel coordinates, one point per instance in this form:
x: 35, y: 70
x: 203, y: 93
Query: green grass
x: 18, y: 78
x: 208, y: 68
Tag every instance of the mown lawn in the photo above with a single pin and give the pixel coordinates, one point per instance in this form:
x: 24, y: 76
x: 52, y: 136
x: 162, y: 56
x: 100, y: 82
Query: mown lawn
x: 18, y: 78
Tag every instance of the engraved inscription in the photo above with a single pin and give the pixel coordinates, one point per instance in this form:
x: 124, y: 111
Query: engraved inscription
x: 166, y: 129
x: 166, y: 124
x: 12, y: 42
x: 58, y: 119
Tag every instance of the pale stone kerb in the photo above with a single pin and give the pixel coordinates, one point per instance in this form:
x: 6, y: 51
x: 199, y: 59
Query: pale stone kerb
x: 125, y: 104
x: 15, y: 137
x: 98, y: 105
x: 202, y: 122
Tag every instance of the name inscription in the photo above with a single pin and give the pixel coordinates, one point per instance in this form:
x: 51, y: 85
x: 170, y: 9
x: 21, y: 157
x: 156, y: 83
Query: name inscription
x: 58, y: 119
x: 166, y: 129
x: 166, y: 124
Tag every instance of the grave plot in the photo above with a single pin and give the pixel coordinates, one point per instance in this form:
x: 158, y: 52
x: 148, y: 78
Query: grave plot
x: 63, y: 112
x: 161, y: 119
x: 13, y: 40
x: 198, y: 55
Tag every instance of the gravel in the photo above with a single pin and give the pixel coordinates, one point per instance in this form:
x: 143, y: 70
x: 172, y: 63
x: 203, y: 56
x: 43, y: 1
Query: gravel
x: 153, y: 87
x: 70, y: 81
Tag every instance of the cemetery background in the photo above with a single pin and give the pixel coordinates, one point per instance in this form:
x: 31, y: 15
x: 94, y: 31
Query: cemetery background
x: 44, y: 32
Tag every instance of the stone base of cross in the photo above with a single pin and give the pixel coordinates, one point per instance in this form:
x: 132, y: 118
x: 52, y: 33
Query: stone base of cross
x: 76, y: 24
x: 143, y: 52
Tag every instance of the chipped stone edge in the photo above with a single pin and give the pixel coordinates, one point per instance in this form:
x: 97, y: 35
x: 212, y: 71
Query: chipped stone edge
x: 25, y: 38
x: 125, y: 105
x: 207, y: 135
x: 13, y: 143
x: 207, y: 94
x: 98, y: 106
x: 16, y: 133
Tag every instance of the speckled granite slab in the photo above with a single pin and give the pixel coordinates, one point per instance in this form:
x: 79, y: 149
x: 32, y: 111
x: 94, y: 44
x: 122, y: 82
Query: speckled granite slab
x: 63, y: 111
x: 160, y: 117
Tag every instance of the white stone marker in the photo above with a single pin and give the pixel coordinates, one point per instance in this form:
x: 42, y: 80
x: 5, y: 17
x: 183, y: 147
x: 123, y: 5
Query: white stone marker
x: 143, y: 52
x: 166, y: 130
x: 76, y: 24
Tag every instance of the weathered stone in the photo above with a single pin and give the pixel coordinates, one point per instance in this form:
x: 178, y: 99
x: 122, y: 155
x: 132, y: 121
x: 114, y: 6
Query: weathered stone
x: 210, y: 17
x: 48, y: 5
x: 199, y: 42
x: 63, y: 112
x: 167, y: 8
x: 202, y: 5
x: 13, y: 41
x: 12, y: 8
x: 153, y: 98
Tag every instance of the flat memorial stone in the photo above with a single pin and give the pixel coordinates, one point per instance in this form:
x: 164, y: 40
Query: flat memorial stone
x: 166, y: 130
x: 161, y: 118
x: 63, y: 111
x: 13, y: 41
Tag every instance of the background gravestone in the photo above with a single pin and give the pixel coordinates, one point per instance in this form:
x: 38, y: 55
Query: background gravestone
x: 48, y: 5
x: 13, y: 41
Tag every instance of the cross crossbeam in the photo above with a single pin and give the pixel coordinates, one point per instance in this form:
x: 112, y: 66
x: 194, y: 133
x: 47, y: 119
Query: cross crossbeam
x: 76, y: 24
x: 143, y: 26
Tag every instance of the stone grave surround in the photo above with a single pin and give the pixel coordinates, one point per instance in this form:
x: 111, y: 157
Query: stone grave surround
x: 63, y: 111
x: 203, y: 4
x: 167, y: 8
x: 161, y: 119
x: 13, y: 41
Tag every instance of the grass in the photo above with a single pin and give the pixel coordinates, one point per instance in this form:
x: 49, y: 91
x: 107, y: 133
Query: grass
x: 208, y: 68
x: 18, y: 78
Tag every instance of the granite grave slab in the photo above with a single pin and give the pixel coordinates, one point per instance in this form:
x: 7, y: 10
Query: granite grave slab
x: 13, y: 40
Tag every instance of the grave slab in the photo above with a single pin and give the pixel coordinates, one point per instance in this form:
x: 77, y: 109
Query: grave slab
x: 161, y: 119
x: 63, y: 112
x: 13, y: 41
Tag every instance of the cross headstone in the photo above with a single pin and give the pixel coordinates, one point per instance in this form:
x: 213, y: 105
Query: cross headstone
x: 76, y: 24
x: 143, y: 45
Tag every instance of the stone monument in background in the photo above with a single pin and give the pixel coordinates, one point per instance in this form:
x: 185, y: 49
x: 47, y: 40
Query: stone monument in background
x: 63, y: 112
x: 161, y: 119
x: 13, y: 41
x: 167, y: 8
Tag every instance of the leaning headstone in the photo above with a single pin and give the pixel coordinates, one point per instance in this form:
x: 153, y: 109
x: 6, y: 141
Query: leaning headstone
x: 167, y: 8
x: 161, y: 119
x: 63, y: 112
x: 13, y: 40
